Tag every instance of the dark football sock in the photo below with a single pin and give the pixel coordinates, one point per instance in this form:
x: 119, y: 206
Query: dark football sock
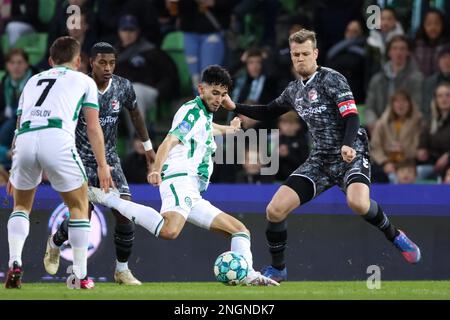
x: 62, y: 234
x: 123, y: 239
x: 376, y: 217
x: 276, y: 234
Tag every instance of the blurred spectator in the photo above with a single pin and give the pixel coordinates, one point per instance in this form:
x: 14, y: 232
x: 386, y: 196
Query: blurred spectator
x: 446, y: 176
x: 348, y: 56
x: 441, y: 76
x: 379, y: 38
x: 399, y: 72
x: 293, y: 144
x: 405, y: 172
x: 283, y: 70
x: 135, y: 164
x: 84, y: 66
x: 151, y: 70
x: 251, y: 169
x: 4, y: 176
x: 5, y: 14
x: 395, y: 137
x: 86, y: 33
x: 253, y: 83
x: 330, y: 19
x: 24, y: 19
x: 203, y: 23
x: 429, y: 38
x: 58, y: 25
x: 434, y: 145
x: 110, y: 12
x: 18, y: 71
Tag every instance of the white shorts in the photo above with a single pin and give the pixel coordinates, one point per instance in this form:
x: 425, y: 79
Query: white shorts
x: 182, y: 195
x: 50, y: 150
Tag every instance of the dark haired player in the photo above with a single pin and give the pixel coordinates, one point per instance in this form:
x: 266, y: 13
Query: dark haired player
x: 114, y: 94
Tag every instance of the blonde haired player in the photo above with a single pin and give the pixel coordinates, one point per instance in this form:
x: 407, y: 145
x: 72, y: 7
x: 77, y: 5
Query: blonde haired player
x: 45, y: 141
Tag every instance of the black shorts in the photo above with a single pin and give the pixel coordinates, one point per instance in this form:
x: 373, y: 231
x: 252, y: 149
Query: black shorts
x: 324, y: 172
x: 117, y: 176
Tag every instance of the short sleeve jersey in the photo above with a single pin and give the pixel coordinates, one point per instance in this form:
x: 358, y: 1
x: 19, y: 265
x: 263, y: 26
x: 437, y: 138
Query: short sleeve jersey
x: 118, y: 95
x: 323, y: 101
x: 192, y: 125
x: 54, y: 98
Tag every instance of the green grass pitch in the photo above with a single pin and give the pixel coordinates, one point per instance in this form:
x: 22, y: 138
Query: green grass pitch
x: 391, y: 290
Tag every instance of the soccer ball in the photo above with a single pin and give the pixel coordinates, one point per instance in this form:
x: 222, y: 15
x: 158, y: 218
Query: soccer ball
x: 230, y: 268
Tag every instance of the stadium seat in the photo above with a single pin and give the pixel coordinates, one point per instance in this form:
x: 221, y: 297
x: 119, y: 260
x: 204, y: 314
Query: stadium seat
x: 173, y: 45
x: 35, y: 44
x: 361, y: 113
x: 4, y: 43
x: 289, y: 5
x: 47, y: 10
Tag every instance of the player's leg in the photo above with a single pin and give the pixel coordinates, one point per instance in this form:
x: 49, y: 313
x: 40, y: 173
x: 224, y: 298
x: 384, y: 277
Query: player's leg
x: 206, y: 216
x: 26, y: 174
x: 144, y: 216
x: 356, y: 184
x: 124, y: 230
x: 78, y: 228
x: 123, y: 240
x: 358, y: 199
x: 297, y: 189
x: 18, y: 229
x: 67, y: 175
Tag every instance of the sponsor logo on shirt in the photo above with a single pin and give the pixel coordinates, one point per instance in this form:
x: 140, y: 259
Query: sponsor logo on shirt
x: 184, y: 127
x: 308, y: 111
x: 107, y: 120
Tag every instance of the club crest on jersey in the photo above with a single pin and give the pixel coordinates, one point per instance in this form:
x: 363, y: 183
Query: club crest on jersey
x: 115, y: 105
x: 312, y: 95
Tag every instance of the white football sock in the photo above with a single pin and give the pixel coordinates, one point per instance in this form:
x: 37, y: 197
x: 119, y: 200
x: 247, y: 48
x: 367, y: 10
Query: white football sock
x: 121, y: 266
x: 18, y: 229
x: 144, y: 216
x: 79, y: 230
x: 240, y: 243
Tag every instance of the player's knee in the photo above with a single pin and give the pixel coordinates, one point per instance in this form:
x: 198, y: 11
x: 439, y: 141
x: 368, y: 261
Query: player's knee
x: 275, y: 212
x: 169, y: 233
x: 358, y: 204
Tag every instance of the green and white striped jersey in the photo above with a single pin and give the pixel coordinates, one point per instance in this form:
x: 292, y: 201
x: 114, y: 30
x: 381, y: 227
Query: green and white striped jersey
x: 54, y: 98
x: 192, y: 125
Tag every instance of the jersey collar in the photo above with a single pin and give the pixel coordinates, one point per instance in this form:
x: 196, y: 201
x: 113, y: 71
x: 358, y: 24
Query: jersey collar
x: 107, y: 87
x: 312, y: 77
x: 202, y: 106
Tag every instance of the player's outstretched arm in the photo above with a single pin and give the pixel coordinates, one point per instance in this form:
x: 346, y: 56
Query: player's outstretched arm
x: 265, y: 112
x: 141, y: 129
x: 154, y: 178
x: 235, y: 125
x: 95, y: 136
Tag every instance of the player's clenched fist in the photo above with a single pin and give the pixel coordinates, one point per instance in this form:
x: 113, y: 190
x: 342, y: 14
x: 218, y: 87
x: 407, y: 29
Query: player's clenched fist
x: 348, y: 154
x: 154, y: 178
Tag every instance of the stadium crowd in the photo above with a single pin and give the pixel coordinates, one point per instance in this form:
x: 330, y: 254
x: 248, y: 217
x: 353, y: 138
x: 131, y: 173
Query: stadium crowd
x: 399, y: 73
